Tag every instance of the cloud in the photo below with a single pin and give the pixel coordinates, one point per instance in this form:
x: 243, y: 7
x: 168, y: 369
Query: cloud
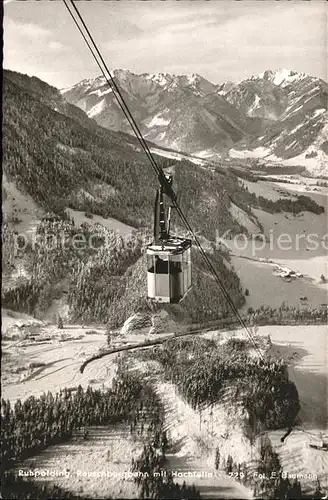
x: 17, y: 33
x: 125, y: 30
x: 193, y: 25
x: 54, y: 45
x: 221, y: 40
x: 32, y: 30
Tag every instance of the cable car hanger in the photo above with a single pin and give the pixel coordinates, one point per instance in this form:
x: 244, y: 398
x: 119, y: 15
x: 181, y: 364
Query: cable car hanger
x: 158, y: 170
x: 168, y: 258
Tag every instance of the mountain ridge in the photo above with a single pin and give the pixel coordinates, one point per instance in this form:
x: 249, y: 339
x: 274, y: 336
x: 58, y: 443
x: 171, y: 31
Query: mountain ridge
x: 61, y: 162
x: 189, y: 113
x: 158, y: 100
x: 54, y: 162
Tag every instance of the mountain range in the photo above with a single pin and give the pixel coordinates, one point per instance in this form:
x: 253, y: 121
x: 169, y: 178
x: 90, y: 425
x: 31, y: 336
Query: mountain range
x: 62, y: 158
x: 278, y: 115
x: 57, y: 159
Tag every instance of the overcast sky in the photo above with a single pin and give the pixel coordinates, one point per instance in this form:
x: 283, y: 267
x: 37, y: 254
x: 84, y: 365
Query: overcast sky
x: 219, y: 39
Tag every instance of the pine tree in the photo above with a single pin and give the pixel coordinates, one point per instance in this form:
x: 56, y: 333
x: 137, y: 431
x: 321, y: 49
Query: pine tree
x: 217, y: 458
x: 318, y: 491
x: 60, y: 324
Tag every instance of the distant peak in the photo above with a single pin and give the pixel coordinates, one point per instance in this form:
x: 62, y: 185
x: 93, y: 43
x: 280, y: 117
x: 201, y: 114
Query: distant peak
x: 193, y: 77
x: 160, y: 78
x: 280, y: 77
x: 121, y: 72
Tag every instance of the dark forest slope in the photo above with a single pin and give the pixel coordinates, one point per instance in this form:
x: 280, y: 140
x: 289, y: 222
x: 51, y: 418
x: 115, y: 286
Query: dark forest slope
x: 62, y: 159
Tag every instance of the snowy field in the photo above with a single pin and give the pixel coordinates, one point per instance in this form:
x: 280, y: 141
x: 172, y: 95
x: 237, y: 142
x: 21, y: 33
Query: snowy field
x: 258, y: 263
x: 193, y: 436
x: 309, y: 370
x: 267, y: 288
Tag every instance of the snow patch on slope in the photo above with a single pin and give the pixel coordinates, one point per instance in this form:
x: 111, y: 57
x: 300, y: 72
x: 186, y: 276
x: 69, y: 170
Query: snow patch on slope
x: 206, y: 153
x: 100, y: 92
x: 177, y: 156
x: 296, y: 128
x: 161, y: 136
x: 292, y: 112
x: 259, y: 152
x: 256, y: 103
x: 98, y: 108
x: 87, y: 83
x: 313, y: 158
x: 159, y: 78
x: 318, y: 112
x: 158, y: 121
x: 316, y: 165
x: 192, y: 78
x: 285, y: 77
x: 280, y: 77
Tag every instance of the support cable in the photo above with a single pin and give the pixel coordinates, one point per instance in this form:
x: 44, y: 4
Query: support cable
x: 84, y: 31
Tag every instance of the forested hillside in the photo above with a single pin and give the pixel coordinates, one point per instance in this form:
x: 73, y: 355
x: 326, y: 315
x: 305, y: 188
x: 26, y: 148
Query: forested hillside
x: 106, y: 282
x: 65, y: 161
x: 59, y: 157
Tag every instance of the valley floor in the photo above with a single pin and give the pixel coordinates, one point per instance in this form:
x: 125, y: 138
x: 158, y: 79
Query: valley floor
x: 296, y: 243
x: 306, y: 350
x: 193, y: 436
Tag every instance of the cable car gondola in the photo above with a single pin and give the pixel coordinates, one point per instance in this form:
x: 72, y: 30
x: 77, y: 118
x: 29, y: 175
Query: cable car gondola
x: 168, y: 258
x: 167, y: 282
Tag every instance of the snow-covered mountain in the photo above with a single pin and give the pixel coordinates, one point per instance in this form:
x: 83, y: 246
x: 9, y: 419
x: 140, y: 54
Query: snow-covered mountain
x: 272, y: 94
x: 296, y: 103
x: 278, y: 114
x: 183, y: 112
